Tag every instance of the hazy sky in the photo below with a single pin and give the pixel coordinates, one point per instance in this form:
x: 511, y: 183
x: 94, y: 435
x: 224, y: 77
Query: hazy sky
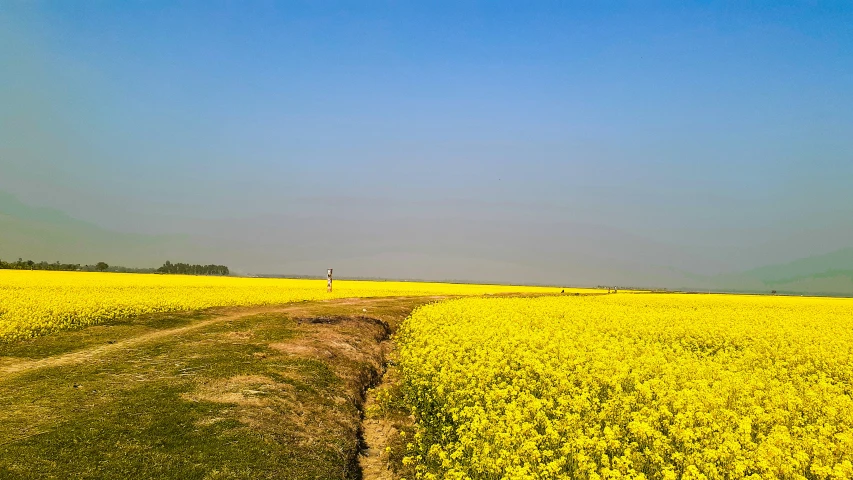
x: 528, y: 141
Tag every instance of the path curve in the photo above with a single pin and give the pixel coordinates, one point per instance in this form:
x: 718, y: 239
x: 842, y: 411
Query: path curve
x: 226, y: 314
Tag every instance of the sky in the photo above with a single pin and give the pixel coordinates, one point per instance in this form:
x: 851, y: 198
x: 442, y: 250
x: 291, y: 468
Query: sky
x: 540, y: 142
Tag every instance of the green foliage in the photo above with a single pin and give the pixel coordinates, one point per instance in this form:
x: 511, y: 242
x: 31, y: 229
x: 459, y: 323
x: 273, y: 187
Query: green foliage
x: 21, y: 264
x: 187, y: 269
x: 168, y: 267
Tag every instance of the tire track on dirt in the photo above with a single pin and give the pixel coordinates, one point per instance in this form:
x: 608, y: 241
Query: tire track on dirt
x: 227, y: 314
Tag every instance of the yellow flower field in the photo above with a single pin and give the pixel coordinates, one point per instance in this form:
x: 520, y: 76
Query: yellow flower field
x: 39, y: 302
x: 655, y: 386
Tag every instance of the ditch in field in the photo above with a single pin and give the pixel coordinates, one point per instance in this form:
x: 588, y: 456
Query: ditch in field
x: 264, y: 392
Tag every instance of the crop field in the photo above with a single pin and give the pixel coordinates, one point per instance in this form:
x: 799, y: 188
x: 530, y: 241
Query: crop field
x: 210, y: 377
x: 655, y: 386
x: 34, y: 303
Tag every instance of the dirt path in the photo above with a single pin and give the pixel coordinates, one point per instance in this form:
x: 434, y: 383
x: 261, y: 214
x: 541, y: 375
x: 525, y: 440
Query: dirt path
x: 226, y: 314
x: 214, y: 382
x: 376, y: 433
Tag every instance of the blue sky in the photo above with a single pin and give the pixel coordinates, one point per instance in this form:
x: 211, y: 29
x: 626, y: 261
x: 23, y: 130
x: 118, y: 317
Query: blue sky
x: 718, y: 130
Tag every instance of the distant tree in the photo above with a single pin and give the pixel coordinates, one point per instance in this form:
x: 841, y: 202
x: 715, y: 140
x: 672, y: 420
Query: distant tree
x: 168, y: 267
x: 22, y: 264
x: 773, y: 292
x: 187, y: 269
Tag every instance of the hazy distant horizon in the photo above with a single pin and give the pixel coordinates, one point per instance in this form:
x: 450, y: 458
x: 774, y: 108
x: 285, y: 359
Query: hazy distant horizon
x: 503, y: 142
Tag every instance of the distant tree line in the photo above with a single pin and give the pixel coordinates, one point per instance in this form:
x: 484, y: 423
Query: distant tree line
x: 168, y: 267
x: 103, y: 267
x: 187, y: 269
x: 22, y: 264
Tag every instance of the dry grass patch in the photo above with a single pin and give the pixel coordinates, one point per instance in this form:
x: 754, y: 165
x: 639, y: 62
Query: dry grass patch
x: 273, y: 392
x: 253, y: 390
